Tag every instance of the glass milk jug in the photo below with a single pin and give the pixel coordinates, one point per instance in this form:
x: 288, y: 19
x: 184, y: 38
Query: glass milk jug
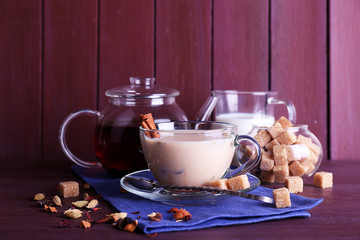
x: 244, y: 109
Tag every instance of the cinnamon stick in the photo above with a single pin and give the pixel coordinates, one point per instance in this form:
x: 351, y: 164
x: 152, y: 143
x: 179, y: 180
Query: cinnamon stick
x: 147, y: 122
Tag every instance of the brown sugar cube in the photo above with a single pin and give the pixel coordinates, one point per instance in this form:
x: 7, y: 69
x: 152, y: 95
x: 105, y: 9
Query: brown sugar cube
x: 292, y: 153
x: 266, y: 164
x: 310, y: 169
x: 315, y: 148
x: 323, y: 179
x: 262, y: 137
x: 312, y: 158
x: 267, y: 177
x: 271, y: 144
x: 295, y: 184
x: 286, y: 138
x: 280, y: 156
x: 69, y: 189
x: 246, y: 151
x: 297, y: 169
x: 282, y: 197
x: 275, y: 130
x: 308, y: 165
x: 297, y: 152
x: 221, y: 183
x: 239, y: 183
x: 307, y: 141
x: 303, y: 140
x: 280, y: 173
x: 284, y: 122
x: 266, y: 154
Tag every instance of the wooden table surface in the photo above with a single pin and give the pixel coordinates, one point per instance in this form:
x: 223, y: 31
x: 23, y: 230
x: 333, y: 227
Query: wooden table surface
x: 338, y: 217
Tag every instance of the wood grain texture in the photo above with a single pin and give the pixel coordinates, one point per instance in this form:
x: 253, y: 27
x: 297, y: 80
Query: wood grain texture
x: 298, y: 60
x: 20, y: 79
x: 126, y: 43
x: 241, y: 47
x: 344, y: 78
x: 193, y: 46
x: 183, y: 50
x: 70, y: 76
x: 324, y: 223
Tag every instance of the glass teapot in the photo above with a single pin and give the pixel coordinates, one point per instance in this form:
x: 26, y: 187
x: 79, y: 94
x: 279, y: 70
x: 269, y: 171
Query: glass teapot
x: 117, y: 142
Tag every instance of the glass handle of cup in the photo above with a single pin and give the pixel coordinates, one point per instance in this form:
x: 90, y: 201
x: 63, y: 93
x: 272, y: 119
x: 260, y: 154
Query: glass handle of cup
x: 289, y: 106
x: 243, y: 142
x: 62, y: 137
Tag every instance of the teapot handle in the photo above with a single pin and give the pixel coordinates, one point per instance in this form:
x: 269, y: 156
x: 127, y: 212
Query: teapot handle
x: 206, y: 109
x: 62, y: 136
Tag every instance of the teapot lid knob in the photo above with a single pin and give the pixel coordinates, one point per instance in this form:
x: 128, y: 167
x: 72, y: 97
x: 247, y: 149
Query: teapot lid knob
x: 147, y: 81
x: 142, y: 87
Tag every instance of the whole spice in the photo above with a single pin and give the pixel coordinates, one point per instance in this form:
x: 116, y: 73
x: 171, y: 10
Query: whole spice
x: 172, y: 210
x: 93, y: 203
x: 131, y: 226
x: 121, y: 223
x: 85, y: 224
x: 80, y: 204
x: 155, y: 216
x: 39, y: 196
x: 114, y: 217
x: 181, y: 215
x: 57, y: 200
x: 147, y: 122
x: 101, y: 220
x: 44, y: 202
x: 88, y: 216
x: 50, y: 209
x: 73, y: 213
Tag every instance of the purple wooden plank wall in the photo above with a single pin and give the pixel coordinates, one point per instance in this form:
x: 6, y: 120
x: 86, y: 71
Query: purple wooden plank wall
x: 241, y: 49
x: 20, y: 79
x: 126, y: 43
x: 70, y: 68
x: 298, y: 60
x: 345, y: 78
x: 58, y: 56
x: 183, y: 50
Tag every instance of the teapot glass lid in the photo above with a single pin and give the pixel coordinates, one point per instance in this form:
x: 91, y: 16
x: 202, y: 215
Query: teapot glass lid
x: 142, y: 88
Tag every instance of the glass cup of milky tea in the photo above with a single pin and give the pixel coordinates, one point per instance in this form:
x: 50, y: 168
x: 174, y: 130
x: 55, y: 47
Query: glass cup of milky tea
x: 195, y: 153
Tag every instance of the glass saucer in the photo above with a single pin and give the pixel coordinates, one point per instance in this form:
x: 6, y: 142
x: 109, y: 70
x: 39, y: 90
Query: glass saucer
x: 173, y: 197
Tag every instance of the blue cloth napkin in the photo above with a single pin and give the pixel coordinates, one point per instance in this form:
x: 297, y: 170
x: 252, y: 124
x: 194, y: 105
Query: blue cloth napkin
x: 231, y: 211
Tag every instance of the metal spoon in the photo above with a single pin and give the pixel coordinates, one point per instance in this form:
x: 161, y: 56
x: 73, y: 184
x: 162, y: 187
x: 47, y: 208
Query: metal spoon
x: 148, y: 185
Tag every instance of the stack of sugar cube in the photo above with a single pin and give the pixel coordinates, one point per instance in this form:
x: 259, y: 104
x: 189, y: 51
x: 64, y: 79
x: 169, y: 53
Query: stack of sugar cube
x: 235, y: 183
x: 285, y: 153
